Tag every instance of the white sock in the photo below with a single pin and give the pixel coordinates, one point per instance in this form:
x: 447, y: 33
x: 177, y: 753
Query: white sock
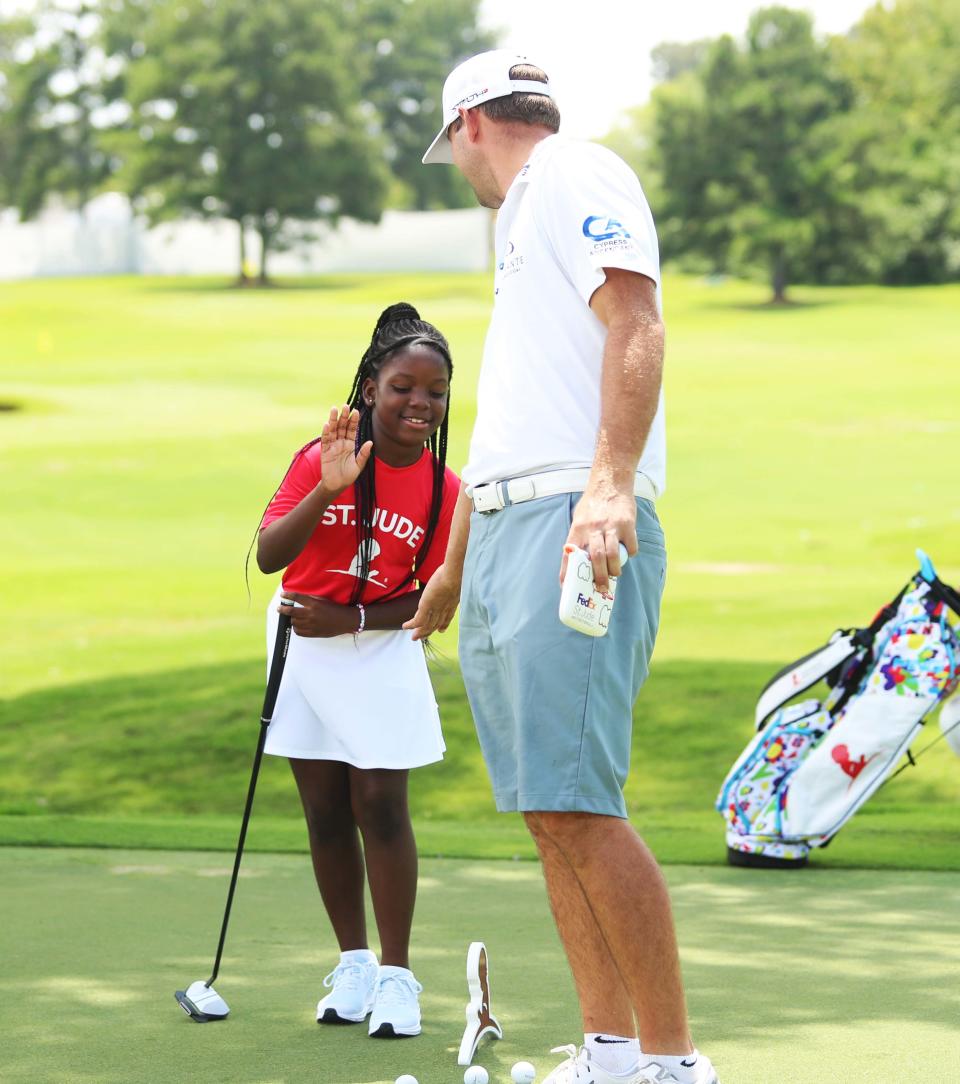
x: 687, y: 1068
x: 358, y: 956
x: 617, y: 1054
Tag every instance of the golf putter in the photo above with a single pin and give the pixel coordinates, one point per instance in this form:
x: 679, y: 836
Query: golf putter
x: 200, y: 1001
x: 480, y: 1022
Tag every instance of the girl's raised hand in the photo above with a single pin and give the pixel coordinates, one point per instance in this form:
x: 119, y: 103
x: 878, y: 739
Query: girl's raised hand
x: 341, y: 463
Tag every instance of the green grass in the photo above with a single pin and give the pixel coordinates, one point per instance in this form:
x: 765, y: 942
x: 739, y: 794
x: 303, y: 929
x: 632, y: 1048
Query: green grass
x: 810, y: 453
x: 162, y: 790
x: 780, y: 969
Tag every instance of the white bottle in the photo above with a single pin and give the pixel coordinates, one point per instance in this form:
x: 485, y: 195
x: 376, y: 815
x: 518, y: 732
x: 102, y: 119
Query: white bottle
x: 582, y: 606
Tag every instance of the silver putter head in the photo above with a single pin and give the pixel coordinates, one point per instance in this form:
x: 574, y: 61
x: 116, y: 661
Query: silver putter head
x: 202, y: 1003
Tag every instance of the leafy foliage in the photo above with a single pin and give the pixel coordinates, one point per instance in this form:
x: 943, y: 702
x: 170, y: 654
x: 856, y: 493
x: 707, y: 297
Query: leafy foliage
x: 406, y: 49
x: 735, y: 139
x: 828, y: 161
x: 247, y: 112
x: 901, y: 144
x: 52, y: 108
x: 274, y: 116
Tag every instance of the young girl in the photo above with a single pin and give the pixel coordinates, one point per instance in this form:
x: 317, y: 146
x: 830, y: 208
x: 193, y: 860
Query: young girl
x: 360, y: 519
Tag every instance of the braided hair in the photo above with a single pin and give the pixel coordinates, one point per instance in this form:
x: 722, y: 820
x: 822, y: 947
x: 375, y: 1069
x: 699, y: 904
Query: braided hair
x: 398, y: 328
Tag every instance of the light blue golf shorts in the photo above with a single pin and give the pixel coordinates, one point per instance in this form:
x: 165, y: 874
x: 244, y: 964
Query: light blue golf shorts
x: 553, y: 708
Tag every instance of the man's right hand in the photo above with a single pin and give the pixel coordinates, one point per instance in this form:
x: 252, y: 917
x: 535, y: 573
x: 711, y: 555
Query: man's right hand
x: 438, y: 604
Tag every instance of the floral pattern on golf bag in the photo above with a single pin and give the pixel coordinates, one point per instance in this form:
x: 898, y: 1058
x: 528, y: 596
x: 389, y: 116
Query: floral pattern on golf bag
x: 814, y: 764
x: 918, y: 659
x: 754, y: 794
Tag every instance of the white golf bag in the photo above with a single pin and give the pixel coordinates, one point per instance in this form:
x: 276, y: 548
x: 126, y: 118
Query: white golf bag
x: 813, y: 764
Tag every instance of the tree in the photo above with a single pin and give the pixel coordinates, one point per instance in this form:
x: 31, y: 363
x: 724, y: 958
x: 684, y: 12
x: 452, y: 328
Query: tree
x: 632, y: 138
x: 405, y: 49
x: 52, y: 108
x: 740, y: 142
x: 827, y: 161
x: 246, y: 111
x: 902, y: 142
x: 272, y: 116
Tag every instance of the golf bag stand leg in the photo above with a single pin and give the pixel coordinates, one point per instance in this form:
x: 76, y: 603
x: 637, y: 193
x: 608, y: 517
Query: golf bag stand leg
x: 200, y: 1001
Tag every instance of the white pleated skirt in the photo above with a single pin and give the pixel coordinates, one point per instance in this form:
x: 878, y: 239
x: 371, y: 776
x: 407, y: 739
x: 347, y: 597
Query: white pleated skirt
x: 367, y: 702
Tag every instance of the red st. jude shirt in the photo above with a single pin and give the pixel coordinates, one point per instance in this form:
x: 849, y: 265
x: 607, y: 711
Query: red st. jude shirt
x: 328, y: 564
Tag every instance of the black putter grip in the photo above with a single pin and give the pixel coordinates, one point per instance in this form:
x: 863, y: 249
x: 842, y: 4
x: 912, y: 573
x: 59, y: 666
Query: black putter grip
x: 280, y: 647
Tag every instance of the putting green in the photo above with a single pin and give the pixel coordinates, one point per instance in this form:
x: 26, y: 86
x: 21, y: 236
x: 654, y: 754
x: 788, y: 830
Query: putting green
x: 793, y: 978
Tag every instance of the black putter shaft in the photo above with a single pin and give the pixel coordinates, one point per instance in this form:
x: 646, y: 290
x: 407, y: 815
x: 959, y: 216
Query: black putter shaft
x: 280, y: 646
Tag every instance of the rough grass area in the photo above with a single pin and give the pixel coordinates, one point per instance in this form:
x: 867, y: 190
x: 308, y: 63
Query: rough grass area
x: 164, y: 760
x: 811, y: 451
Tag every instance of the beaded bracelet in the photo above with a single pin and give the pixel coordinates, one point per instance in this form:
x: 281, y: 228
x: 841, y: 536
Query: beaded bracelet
x: 363, y: 620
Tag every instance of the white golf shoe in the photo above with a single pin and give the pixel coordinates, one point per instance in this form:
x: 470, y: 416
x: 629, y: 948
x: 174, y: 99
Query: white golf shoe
x: 579, y: 1068
x: 351, y: 997
x: 396, y: 1007
x: 659, y: 1074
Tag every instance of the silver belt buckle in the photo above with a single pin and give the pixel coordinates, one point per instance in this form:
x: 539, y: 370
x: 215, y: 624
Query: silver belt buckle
x: 487, y: 498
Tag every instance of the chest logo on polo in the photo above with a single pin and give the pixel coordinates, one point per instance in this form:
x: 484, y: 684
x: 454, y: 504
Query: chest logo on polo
x: 511, y: 263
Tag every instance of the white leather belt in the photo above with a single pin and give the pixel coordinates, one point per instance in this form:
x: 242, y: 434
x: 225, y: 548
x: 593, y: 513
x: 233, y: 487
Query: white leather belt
x: 495, y: 496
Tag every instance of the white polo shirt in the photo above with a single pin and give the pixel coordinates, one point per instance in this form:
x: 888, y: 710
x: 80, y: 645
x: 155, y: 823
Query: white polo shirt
x: 572, y: 210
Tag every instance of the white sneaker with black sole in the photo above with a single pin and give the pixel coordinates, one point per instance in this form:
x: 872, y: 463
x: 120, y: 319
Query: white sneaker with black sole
x: 353, y: 981
x: 396, y: 1007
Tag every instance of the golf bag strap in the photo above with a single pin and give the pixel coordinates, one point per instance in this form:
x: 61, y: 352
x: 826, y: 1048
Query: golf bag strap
x: 940, y: 590
x: 802, y: 674
x: 808, y: 670
x: 946, y: 594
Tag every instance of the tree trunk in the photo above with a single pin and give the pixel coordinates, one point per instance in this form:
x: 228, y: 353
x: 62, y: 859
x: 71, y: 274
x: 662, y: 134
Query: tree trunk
x: 242, y: 277
x: 779, y: 278
x: 266, y: 236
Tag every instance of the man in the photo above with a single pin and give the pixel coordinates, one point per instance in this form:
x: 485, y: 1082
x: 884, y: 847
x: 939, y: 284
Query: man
x: 567, y: 448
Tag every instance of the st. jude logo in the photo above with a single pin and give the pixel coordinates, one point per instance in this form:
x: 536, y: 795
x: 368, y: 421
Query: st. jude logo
x: 603, y: 228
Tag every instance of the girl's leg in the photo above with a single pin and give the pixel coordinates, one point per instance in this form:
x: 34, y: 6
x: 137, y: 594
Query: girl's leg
x: 379, y: 798
x: 324, y: 787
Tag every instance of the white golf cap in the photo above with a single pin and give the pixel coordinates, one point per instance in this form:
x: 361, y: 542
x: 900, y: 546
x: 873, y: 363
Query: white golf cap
x: 479, y: 79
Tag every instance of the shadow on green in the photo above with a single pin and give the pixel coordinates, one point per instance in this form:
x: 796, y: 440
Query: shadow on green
x: 786, y: 974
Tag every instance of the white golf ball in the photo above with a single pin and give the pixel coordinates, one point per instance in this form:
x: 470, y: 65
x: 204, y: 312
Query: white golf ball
x: 476, y: 1074
x: 406, y: 1079
x: 523, y: 1073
